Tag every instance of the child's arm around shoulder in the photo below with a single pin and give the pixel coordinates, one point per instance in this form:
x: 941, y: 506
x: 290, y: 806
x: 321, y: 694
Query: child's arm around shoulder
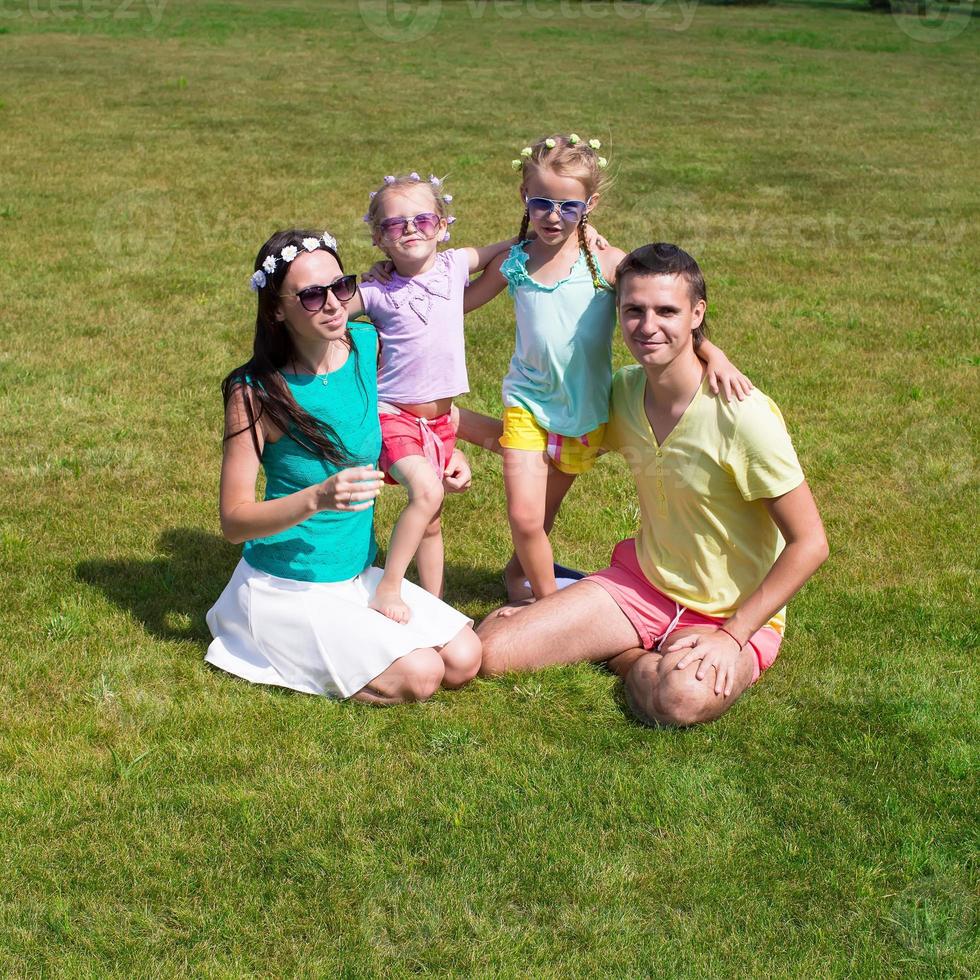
x: 609, y: 259
x: 479, y: 258
x: 722, y: 374
x: 488, y: 285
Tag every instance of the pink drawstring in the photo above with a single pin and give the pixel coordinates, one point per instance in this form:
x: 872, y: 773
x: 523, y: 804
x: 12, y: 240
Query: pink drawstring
x: 670, y: 629
x: 433, y: 447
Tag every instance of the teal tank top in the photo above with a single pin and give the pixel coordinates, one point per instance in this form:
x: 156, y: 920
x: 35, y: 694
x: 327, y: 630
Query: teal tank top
x: 331, y: 546
x: 561, y: 371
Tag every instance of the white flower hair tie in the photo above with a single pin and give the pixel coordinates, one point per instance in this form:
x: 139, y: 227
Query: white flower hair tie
x: 258, y: 279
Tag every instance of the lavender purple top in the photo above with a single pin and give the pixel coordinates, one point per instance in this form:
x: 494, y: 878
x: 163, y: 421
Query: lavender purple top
x: 420, y: 325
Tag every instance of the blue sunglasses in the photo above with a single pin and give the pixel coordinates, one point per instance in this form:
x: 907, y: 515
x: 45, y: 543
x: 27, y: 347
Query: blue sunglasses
x: 541, y: 207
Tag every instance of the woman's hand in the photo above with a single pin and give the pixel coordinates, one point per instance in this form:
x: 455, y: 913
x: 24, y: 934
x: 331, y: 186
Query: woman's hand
x: 725, y: 377
x: 352, y: 489
x: 714, y: 648
x: 379, y: 272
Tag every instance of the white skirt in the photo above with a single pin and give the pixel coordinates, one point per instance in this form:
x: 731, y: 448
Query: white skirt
x: 319, y: 637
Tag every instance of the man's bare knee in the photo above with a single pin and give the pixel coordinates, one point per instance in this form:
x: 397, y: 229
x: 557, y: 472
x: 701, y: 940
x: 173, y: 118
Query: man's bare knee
x: 657, y: 694
x: 623, y: 662
x: 492, y: 664
x: 682, y: 700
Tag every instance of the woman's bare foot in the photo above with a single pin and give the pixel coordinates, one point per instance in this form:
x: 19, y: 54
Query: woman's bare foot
x: 389, y: 602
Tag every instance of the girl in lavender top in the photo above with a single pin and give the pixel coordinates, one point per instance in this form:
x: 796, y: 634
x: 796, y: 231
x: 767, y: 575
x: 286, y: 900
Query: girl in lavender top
x: 419, y: 315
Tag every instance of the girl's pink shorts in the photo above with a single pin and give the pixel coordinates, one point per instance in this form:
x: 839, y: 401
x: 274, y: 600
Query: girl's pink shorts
x: 404, y: 434
x: 651, y: 612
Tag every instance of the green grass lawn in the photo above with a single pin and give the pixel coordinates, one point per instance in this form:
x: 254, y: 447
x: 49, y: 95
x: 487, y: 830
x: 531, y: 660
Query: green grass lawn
x: 160, y: 818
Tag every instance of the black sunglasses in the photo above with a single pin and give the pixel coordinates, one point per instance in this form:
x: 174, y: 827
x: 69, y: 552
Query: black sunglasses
x: 314, y: 298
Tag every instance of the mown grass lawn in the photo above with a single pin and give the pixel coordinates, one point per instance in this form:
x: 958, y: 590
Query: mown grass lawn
x: 161, y: 818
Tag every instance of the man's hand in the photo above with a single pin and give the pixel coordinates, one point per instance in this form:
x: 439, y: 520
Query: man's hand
x: 457, y: 477
x: 714, y: 648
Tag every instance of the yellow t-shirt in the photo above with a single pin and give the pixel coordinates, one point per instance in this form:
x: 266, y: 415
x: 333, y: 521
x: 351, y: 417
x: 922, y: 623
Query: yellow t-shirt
x: 706, y: 539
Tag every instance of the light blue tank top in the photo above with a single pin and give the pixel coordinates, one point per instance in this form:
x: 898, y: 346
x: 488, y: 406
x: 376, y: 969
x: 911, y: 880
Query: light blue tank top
x: 331, y: 546
x: 561, y: 371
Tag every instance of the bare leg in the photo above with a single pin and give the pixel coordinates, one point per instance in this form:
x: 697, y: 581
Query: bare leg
x: 660, y: 694
x: 582, y: 622
x: 425, y: 496
x: 559, y: 484
x: 414, y: 677
x: 430, y: 558
x: 621, y: 664
x: 526, y: 483
x: 479, y: 430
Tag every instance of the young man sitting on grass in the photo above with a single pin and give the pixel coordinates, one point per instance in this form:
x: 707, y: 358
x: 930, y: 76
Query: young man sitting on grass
x: 691, y: 611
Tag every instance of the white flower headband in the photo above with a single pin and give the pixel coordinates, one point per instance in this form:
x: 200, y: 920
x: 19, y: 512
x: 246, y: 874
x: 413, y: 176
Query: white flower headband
x: 573, y: 140
x: 260, y: 277
x: 434, y: 182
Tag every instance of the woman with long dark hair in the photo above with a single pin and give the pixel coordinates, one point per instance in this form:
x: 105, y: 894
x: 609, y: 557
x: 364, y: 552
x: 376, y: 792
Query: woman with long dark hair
x: 304, y: 408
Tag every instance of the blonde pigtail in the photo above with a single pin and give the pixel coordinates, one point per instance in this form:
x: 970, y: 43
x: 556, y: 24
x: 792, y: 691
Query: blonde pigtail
x: 589, y: 257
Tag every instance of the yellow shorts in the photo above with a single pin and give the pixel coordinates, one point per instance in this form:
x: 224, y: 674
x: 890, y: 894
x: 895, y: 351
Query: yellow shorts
x: 570, y: 454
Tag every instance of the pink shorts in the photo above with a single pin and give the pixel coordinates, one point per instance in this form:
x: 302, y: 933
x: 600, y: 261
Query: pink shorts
x: 654, y: 614
x: 404, y: 434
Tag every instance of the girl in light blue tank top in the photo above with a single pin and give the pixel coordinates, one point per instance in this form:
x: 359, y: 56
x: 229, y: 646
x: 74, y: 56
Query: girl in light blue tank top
x: 556, y: 392
x: 561, y: 371
x: 297, y: 611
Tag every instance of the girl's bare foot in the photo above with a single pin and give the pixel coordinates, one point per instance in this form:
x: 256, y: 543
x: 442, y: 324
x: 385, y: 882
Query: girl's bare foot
x: 515, y: 607
x: 389, y: 603
x: 516, y: 582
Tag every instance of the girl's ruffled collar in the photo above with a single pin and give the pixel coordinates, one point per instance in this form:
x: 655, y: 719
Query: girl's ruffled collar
x: 514, y: 267
x: 419, y: 292
x: 514, y: 270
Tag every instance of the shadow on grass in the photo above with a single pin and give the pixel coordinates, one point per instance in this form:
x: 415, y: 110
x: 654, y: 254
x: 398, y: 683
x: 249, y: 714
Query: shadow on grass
x: 171, y: 593
x: 474, y: 591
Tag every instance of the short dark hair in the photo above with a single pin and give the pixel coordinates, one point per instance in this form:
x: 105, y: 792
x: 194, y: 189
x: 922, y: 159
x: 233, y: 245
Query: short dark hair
x: 663, y: 259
